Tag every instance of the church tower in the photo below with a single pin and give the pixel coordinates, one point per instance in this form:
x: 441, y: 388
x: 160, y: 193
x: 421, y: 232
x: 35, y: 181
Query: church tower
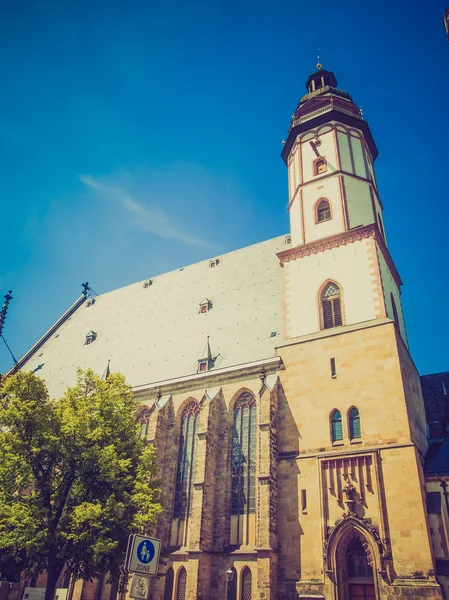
x: 351, y: 423
x: 335, y: 217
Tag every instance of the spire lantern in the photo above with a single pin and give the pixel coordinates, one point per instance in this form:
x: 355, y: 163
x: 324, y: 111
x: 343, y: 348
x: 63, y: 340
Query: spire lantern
x: 320, y: 79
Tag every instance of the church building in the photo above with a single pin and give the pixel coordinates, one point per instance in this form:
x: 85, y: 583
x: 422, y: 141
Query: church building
x: 277, y: 385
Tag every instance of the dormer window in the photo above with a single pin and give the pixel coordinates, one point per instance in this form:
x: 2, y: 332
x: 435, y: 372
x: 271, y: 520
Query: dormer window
x: 319, y: 166
x: 205, y: 305
x: 213, y: 262
x: 288, y: 239
x: 90, y: 337
x: 204, y: 365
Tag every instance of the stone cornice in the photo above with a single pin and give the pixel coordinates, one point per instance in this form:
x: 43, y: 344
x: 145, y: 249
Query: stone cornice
x: 341, y: 239
x: 213, y: 377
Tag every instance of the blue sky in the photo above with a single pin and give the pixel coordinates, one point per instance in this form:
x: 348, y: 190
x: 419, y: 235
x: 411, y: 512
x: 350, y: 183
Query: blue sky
x: 137, y: 137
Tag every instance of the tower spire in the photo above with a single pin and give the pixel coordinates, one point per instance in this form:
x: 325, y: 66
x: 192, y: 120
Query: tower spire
x: 319, y: 66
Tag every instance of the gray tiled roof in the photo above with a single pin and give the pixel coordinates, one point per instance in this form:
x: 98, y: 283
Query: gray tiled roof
x: 157, y: 333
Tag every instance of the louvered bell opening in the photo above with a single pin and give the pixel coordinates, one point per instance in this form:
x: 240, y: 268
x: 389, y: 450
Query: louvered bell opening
x: 336, y: 306
x: 327, y: 314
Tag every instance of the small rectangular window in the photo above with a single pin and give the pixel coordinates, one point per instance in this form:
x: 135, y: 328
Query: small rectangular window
x: 333, y: 369
x: 304, y: 501
x: 319, y: 166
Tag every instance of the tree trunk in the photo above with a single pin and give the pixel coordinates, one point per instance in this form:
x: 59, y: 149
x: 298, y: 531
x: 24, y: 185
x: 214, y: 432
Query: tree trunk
x: 53, y: 572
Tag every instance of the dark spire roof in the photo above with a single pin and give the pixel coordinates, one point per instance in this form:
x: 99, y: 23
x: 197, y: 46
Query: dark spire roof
x: 323, y: 103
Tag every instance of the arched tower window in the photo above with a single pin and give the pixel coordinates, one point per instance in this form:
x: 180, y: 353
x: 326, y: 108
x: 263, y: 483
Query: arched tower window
x: 331, y: 306
x: 243, y: 495
x: 186, y: 460
x: 323, y: 211
x: 232, y: 584
x: 336, y: 426
x: 354, y: 424
x: 395, y: 312
x: 168, y: 590
x: 182, y: 584
x: 247, y: 584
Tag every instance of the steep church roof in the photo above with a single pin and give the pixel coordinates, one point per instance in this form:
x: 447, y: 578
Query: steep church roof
x: 152, y: 333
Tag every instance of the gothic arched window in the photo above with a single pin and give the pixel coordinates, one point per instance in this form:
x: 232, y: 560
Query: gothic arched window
x: 323, y: 211
x: 143, y: 420
x: 336, y: 426
x: 354, y: 424
x: 357, y: 561
x: 243, y: 496
x: 232, y: 584
x: 331, y: 306
x: 246, y: 584
x: 168, y: 590
x: 181, y: 588
x: 186, y: 460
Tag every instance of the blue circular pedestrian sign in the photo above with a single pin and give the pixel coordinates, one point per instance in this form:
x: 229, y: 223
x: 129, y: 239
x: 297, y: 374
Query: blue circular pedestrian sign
x: 145, y: 551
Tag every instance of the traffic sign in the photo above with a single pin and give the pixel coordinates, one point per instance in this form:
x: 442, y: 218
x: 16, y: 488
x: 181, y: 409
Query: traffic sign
x: 140, y: 587
x: 142, y: 555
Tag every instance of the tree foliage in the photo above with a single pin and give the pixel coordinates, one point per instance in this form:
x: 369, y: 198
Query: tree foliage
x: 75, y: 478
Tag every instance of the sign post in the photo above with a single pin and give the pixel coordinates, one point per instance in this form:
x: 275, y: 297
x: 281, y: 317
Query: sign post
x: 142, y: 559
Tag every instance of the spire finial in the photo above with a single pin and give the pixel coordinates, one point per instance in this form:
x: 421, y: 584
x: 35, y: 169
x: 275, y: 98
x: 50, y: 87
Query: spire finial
x: 319, y: 66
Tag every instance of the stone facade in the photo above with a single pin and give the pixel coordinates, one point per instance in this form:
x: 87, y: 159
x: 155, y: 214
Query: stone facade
x: 292, y: 466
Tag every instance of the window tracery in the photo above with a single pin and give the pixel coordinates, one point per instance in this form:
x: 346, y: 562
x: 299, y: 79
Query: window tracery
x: 186, y: 460
x: 243, y: 486
x: 143, y: 420
x: 182, y: 584
x: 246, y: 584
x: 331, y: 306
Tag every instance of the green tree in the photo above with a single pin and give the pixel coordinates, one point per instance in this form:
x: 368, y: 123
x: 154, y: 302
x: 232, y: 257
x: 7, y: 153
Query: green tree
x: 75, y: 478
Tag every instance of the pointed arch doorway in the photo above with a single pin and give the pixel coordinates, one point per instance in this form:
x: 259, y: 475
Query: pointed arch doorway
x: 358, y: 578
